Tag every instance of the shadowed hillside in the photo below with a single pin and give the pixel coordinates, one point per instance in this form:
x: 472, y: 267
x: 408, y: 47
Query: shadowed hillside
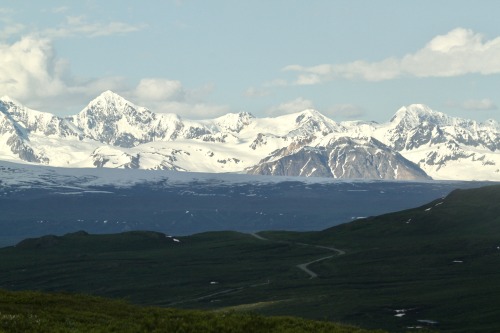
x: 433, y: 266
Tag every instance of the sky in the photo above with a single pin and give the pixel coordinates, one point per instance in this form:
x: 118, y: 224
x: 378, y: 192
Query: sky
x: 350, y: 60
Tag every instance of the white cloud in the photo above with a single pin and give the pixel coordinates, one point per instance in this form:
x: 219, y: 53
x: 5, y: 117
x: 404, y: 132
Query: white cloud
x: 346, y: 111
x: 72, y: 26
x: 32, y: 73
x: 29, y: 68
x: 484, y: 104
x: 158, y: 89
x: 308, y: 79
x: 170, y: 96
x: 9, y: 28
x: 6, y: 11
x: 253, y: 92
x: 188, y: 110
x: 61, y: 9
x: 275, y: 83
x: 78, y: 25
x: 459, y: 52
x: 296, y: 105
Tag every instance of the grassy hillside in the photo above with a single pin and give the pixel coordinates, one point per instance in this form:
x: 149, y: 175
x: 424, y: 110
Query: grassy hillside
x: 471, y: 213
x: 38, y: 312
x: 439, y: 263
x: 150, y: 268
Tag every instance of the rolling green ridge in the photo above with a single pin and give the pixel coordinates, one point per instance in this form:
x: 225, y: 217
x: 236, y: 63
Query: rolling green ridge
x: 38, y: 312
x: 439, y: 262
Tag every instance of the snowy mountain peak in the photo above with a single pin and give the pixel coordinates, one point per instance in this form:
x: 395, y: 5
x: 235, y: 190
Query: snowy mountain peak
x: 111, y: 102
x: 311, y: 121
x: 491, y: 123
x: 110, y: 95
x: 7, y: 99
x: 309, y: 114
x: 16, y: 110
x: 412, y: 112
x: 414, y: 115
x: 19, y: 125
x: 112, y: 119
x: 234, y: 122
x: 113, y: 132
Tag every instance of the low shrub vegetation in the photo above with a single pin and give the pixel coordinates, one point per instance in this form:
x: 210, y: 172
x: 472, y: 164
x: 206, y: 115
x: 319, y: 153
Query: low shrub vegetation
x: 47, y: 312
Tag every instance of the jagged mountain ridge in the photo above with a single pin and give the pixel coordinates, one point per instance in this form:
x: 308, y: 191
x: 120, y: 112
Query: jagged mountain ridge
x: 424, y: 125
x: 445, y: 147
x: 113, y: 132
x: 113, y: 120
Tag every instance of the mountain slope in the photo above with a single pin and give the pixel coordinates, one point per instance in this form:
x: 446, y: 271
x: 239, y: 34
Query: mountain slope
x: 50, y: 312
x: 340, y: 157
x: 115, y: 121
x: 445, y: 147
x: 470, y: 213
x: 113, y: 132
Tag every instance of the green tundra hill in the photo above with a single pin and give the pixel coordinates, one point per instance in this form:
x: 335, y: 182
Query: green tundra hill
x: 51, y: 313
x: 432, y: 267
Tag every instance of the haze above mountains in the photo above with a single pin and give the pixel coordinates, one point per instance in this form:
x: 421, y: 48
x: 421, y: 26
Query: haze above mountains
x: 416, y: 143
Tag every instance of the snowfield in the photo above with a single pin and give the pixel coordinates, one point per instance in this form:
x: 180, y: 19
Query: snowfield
x: 112, y: 132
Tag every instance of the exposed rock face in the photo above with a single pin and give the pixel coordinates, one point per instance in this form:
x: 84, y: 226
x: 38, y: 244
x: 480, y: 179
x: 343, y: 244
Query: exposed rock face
x: 343, y: 157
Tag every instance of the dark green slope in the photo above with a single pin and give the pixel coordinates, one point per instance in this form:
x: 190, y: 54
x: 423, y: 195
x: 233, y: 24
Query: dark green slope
x: 462, y: 214
x: 37, y: 312
x: 151, y: 268
x: 440, y: 262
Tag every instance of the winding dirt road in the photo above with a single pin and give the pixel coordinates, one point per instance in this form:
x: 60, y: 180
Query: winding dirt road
x: 304, y: 267
x: 313, y: 275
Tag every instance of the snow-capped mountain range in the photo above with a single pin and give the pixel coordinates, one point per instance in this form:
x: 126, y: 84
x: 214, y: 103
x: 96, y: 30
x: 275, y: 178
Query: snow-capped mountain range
x: 111, y: 132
